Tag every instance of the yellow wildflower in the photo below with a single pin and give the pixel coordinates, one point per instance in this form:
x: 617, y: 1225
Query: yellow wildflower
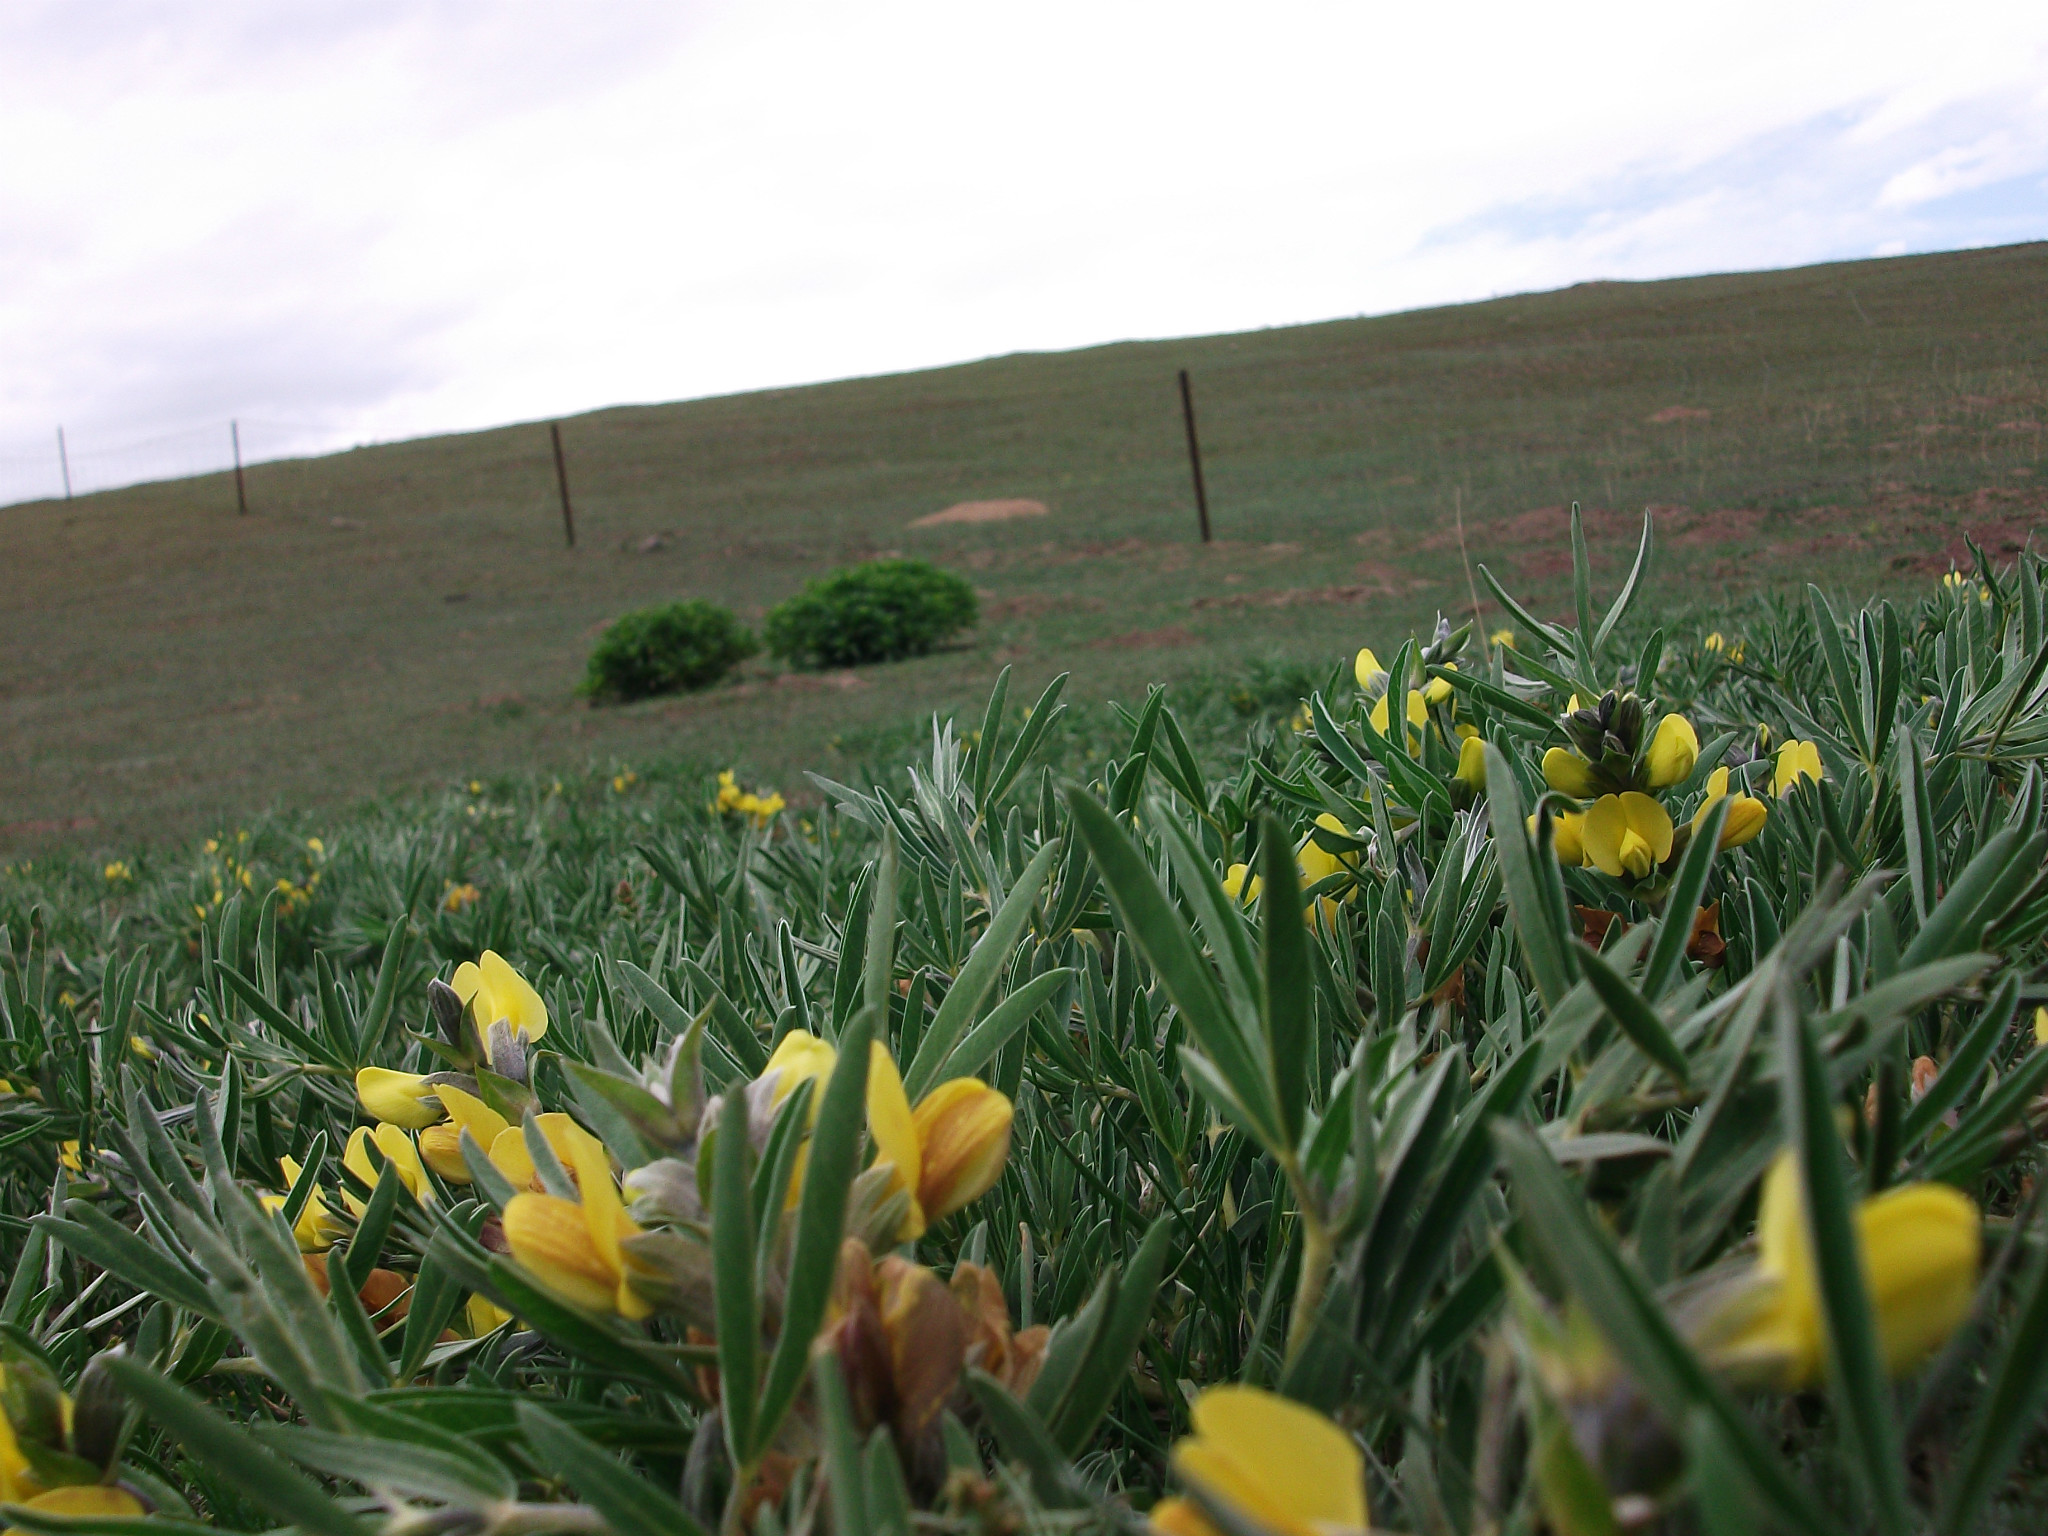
x: 441, y: 1145
x: 1746, y: 813
x: 398, y: 1098
x: 1472, y: 763
x: 495, y: 991
x: 1418, y: 711
x: 1796, y: 760
x: 315, y: 1231
x: 1627, y: 834
x: 1273, y: 1464
x: 1569, y: 774
x: 947, y: 1151
x: 1673, y: 750
x: 2041, y: 1026
x: 573, y: 1248
x: 1367, y: 669
x: 1504, y: 637
x: 1239, y: 881
x: 1567, y: 837
x: 398, y: 1151
x: 117, y: 873
x: 1920, y: 1246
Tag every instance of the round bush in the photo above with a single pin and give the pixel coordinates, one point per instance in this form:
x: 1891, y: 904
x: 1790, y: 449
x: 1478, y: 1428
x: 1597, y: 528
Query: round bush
x: 878, y: 611
x: 667, y: 650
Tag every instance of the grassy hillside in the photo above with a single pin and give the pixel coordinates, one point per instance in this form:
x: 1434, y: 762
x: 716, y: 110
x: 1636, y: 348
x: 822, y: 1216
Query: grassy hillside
x: 404, y: 613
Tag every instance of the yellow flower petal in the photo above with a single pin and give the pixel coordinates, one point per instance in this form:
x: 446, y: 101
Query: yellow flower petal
x: 800, y: 1057
x: 1234, y: 883
x: 551, y: 1240
x: 1472, y: 763
x: 1673, y: 752
x: 895, y: 1133
x: 1367, y: 669
x: 397, y: 1098
x: 1796, y: 760
x: 1569, y: 774
x: 963, y: 1137
x: 1285, y: 1467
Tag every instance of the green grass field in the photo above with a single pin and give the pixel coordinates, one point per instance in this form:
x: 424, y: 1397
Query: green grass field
x: 404, y: 614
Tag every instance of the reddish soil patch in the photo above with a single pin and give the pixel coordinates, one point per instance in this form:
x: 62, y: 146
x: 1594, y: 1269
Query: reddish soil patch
x: 1029, y: 605
x: 1171, y: 638
x: 1298, y: 597
x: 1672, y: 413
x: 1717, y: 527
x: 1001, y: 511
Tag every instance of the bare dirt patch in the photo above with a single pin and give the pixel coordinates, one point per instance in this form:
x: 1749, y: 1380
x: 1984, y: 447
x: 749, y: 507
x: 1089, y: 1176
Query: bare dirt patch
x: 1672, y: 413
x: 1298, y: 597
x: 1030, y: 605
x: 1000, y: 511
x: 1172, y: 637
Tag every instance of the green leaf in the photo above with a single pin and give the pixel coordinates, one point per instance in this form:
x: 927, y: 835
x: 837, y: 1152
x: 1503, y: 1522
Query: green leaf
x: 228, y: 1450
x: 1160, y: 933
x: 1543, y: 946
x: 1003, y: 1021
x: 1682, y: 901
x: 1288, y: 1003
x: 1627, y: 595
x: 1637, y: 1019
x: 1025, y: 1440
x: 631, y: 1504
x: 1108, y: 1362
x: 1855, y: 1367
x: 820, y: 1220
x: 2009, y: 1414
x: 1629, y: 1316
x: 978, y: 977
x: 732, y: 1270
x: 843, y: 1479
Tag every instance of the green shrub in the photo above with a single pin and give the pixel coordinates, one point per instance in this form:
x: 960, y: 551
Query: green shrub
x: 667, y: 650
x: 882, y: 610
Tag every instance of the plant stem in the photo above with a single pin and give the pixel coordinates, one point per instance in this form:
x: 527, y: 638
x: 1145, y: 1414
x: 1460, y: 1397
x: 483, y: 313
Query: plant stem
x: 1315, y: 1265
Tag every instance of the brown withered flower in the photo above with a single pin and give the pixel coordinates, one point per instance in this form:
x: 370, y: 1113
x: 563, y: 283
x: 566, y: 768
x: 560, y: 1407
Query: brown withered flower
x: 1013, y: 1358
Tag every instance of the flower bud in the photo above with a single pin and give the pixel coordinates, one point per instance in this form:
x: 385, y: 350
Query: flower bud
x: 963, y: 1132
x: 1569, y: 774
x: 1367, y: 669
x: 1472, y: 763
x: 1673, y: 751
x: 398, y: 1098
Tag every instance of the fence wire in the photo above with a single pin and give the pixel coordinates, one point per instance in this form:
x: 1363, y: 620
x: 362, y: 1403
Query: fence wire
x: 99, y: 465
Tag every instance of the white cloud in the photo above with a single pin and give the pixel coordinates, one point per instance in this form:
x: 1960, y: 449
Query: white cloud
x: 385, y: 219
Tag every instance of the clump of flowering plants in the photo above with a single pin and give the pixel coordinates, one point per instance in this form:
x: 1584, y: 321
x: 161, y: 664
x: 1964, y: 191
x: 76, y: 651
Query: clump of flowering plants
x: 1587, y: 1081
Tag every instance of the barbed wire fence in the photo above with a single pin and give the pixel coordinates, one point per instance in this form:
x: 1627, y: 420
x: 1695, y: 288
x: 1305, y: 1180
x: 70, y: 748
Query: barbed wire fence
x: 76, y: 464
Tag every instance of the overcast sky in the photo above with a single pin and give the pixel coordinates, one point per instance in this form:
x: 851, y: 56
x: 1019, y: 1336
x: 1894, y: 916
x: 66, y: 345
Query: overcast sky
x: 345, y: 222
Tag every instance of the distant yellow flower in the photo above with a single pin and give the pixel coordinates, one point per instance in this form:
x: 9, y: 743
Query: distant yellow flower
x: 1569, y: 774
x: 947, y: 1151
x: 1273, y: 1464
x: 574, y: 1248
x: 1673, y: 751
x: 1240, y: 882
x: 476, y: 786
x: 621, y: 782
x: 1627, y: 834
x: 67, y: 1154
x: 458, y: 898
x: 397, y: 1098
x: 316, y: 848
x: 1920, y: 1246
x: 1367, y: 669
x: 1714, y: 642
x: 1796, y: 760
x: 2041, y: 1026
x: 1504, y: 637
x: 1746, y: 813
x: 398, y: 1151
x: 495, y: 991
x: 117, y: 873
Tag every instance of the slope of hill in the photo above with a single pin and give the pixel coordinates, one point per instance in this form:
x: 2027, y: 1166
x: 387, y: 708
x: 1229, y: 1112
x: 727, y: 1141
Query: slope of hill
x: 400, y: 613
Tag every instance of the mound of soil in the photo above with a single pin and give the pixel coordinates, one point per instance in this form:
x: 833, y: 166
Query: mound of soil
x: 982, y: 512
